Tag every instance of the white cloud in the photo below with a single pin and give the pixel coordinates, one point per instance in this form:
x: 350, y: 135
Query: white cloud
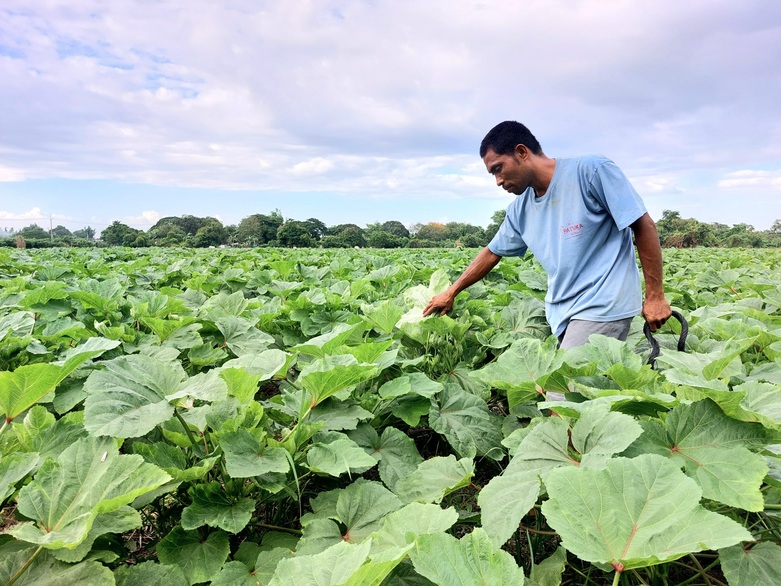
x: 143, y: 221
x: 655, y: 184
x: 9, y: 174
x: 316, y: 166
x: 752, y: 178
x: 33, y: 214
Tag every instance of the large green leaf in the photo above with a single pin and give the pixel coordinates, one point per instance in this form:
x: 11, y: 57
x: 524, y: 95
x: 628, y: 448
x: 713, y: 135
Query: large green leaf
x: 128, y: 398
x: 759, y: 402
x: 213, y: 506
x: 41, y: 432
x: 360, y: 508
x: 25, y: 386
x: 246, y: 456
x: 242, y: 337
x: 633, y: 513
x: 755, y: 566
x: 13, y: 468
x: 199, y: 559
x: 89, y: 478
x: 121, y: 521
x: 19, y: 562
x: 208, y: 386
x: 401, y: 528
x: 326, y: 344
x: 504, y: 501
x: 236, y: 574
x: 327, y: 376
x: 20, y: 323
x: 265, y: 364
x: 473, y: 559
x: 603, y: 353
x: 336, y: 415
x: 691, y: 367
x: 594, y: 437
x: 173, y: 461
x: 382, y: 315
x: 149, y: 573
x: 549, y: 571
x: 415, y: 383
x: 600, y: 433
x: 713, y: 449
x: 332, y: 567
x: 467, y: 424
x: 334, y: 453
x: 434, y: 478
x: 395, y: 451
x: 523, y: 369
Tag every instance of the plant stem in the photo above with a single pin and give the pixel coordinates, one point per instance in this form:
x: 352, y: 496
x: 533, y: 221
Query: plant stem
x: 278, y: 528
x: 538, y: 531
x: 700, y: 569
x: 5, y: 424
x: 26, y: 565
x: 616, y: 578
x: 185, y: 426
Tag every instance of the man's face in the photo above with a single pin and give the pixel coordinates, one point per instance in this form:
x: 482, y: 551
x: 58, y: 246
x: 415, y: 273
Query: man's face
x: 512, y: 172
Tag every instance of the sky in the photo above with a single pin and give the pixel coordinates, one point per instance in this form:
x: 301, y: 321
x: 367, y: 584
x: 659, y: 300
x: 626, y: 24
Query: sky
x: 361, y: 111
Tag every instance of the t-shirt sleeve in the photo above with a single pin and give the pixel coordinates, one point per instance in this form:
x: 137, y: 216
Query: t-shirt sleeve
x: 613, y: 190
x: 508, y: 240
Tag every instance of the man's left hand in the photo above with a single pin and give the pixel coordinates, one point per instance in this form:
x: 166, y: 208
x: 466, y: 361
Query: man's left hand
x: 656, y: 312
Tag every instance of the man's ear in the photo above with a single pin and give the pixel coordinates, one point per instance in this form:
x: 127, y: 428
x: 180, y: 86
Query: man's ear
x: 521, y: 151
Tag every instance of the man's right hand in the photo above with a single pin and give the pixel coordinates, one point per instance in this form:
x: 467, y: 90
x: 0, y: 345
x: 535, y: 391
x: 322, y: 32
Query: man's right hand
x: 442, y: 303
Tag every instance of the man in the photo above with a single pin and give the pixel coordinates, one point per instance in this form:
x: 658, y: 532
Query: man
x: 575, y: 215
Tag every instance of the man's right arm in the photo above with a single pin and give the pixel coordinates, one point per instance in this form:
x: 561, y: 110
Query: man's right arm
x: 477, y: 269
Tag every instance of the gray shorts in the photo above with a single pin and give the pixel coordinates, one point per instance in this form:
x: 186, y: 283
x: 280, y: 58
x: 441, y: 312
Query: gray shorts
x: 578, y: 331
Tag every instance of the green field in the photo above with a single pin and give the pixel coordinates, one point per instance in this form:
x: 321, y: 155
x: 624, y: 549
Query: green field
x: 287, y: 417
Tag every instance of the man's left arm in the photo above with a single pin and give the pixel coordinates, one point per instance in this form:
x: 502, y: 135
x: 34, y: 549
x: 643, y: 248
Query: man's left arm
x: 656, y: 310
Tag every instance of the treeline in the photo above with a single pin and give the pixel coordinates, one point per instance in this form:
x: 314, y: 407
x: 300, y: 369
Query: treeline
x: 270, y: 230
x: 273, y: 230
x: 677, y: 232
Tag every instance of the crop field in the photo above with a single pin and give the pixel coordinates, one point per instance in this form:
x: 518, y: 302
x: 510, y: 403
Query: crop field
x: 287, y: 417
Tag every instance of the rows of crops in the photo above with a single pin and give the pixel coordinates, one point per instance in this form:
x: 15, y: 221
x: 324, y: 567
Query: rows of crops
x: 287, y: 417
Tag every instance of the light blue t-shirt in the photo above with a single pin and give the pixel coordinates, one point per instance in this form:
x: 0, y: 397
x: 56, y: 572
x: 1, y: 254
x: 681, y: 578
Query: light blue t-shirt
x: 579, y: 232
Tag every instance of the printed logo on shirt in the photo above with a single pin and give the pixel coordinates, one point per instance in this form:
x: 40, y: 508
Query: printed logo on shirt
x: 571, y: 230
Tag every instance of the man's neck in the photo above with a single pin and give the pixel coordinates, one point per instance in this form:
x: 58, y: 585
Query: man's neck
x: 544, y: 167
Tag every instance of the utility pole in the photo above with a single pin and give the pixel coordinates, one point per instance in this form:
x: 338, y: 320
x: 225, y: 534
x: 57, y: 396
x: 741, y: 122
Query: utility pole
x: 51, y: 233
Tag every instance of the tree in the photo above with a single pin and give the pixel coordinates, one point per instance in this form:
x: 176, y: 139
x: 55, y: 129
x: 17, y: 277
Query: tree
x: 212, y: 234
x: 86, y: 232
x: 432, y: 231
x: 344, y: 236
x: 259, y: 229
x: 496, y: 221
x: 396, y: 228
x: 61, y: 231
x: 171, y: 235
x: 317, y: 229
x: 460, y: 230
x: 295, y: 234
x: 188, y: 223
x: 383, y: 239
x: 776, y: 227
x: 119, y: 234
x: 33, y: 232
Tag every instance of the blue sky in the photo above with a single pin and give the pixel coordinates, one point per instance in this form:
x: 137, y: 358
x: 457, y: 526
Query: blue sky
x: 364, y: 111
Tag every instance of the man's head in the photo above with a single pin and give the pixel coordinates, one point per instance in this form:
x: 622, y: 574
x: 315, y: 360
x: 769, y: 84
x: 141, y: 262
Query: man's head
x: 505, y: 136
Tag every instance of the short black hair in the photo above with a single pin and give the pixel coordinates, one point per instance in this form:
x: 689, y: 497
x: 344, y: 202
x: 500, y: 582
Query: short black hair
x: 503, y: 138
